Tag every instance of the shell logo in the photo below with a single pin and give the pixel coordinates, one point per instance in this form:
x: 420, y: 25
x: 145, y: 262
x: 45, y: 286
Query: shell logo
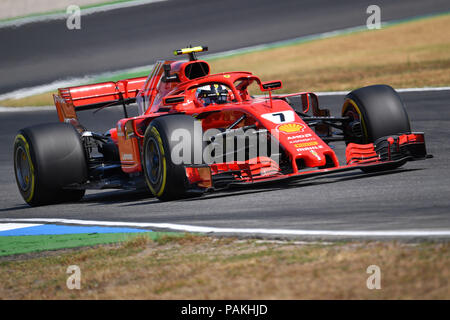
x: 291, y: 127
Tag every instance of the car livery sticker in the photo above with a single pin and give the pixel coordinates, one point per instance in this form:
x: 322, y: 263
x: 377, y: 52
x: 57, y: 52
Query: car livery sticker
x: 280, y: 116
x: 309, y: 148
x: 127, y: 157
x: 301, y: 140
x: 300, y: 136
x: 306, y: 144
x: 291, y: 127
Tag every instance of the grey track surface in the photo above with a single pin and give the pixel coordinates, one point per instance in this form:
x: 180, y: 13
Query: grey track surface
x: 414, y: 197
x: 39, y: 53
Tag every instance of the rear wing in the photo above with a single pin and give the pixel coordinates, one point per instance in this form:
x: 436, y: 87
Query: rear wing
x: 70, y: 100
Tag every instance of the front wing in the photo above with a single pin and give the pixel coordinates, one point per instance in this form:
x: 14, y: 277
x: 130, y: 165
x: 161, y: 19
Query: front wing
x: 386, y: 153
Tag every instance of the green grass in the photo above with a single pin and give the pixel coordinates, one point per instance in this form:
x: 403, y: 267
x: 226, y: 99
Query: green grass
x: 10, y: 245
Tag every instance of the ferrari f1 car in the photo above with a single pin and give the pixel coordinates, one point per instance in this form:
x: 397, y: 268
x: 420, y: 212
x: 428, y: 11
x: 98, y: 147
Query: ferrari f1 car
x: 198, y: 132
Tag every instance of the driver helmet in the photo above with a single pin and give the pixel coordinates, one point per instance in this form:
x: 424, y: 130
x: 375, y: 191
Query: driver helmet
x: 212, y: 93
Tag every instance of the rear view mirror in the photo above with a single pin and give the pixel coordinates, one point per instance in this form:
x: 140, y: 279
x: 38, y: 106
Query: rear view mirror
x: 271, y: 85
x: 172, y: 100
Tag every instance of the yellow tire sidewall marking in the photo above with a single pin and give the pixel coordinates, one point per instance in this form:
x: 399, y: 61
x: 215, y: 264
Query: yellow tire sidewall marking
x: 355, y: 106
x: 30, y: 163
x: 159, y: 192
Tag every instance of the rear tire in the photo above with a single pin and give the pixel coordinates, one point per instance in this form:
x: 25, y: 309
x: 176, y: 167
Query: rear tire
x: 48, y: 158
x: 166, y: 178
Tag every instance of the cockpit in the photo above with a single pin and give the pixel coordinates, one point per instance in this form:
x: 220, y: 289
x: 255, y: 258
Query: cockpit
x: 213, y: 93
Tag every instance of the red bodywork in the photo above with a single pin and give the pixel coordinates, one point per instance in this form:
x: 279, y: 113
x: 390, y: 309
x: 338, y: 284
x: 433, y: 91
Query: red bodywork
x: 299, y: 142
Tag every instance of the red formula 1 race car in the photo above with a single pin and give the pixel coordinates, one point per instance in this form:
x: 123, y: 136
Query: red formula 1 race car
x: 198, y: 131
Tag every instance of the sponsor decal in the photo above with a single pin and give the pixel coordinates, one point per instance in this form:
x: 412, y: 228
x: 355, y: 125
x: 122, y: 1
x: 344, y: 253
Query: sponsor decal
x: 127, y: 156
x: 301, y: 140
x: 306, y: 144
x: 300, y: 136
x: 226, y: 76
x: 291, y: 127
x: 188, y: 102
x: 309, y: 148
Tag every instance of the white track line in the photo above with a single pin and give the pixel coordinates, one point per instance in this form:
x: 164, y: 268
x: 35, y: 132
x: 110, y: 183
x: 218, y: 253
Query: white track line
x: 424, y: 89
x: 26, y: 109
x: 30, y: 91
x: 263, y: 231
x: 59, y: 16
x: 12, y: 226
x: 324, y: 93
x: 25, y: 92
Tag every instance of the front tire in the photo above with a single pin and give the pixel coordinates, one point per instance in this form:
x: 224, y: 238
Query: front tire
x: 380, y: 111
x: 165, y: 176
x: 48, y: 158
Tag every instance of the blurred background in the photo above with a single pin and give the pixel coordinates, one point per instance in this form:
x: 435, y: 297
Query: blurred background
x: 122, y: 35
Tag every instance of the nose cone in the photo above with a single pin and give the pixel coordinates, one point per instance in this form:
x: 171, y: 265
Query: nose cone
x: 313, y: 158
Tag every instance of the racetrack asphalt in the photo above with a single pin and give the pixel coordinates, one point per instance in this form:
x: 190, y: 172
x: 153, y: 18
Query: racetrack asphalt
x: 43, y: 52
x: 415, y: 197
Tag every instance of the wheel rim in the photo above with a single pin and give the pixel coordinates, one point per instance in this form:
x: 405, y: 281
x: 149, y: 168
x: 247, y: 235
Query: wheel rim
x: 355, y: 116
x: 352, y: 113
x: 23, y: 169
x: 153, y: 161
